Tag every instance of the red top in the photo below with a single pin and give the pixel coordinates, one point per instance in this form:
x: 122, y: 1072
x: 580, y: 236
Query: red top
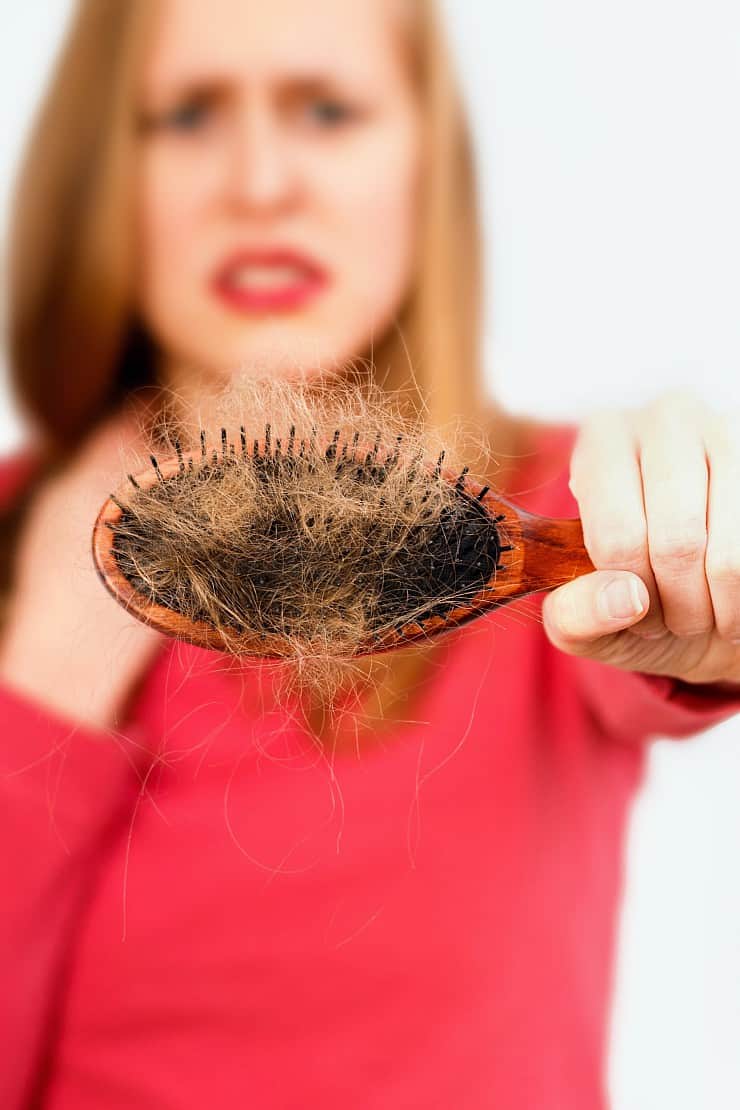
x: 431, y: 925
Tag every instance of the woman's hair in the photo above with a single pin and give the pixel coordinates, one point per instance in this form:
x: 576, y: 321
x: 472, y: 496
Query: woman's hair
x: 75, y: 346
x: 73, y: 343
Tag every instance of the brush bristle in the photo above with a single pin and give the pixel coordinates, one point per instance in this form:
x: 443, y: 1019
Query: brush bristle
x: 319, y: 550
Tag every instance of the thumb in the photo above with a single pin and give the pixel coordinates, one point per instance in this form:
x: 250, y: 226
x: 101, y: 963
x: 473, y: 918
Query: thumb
x: 578, y: 615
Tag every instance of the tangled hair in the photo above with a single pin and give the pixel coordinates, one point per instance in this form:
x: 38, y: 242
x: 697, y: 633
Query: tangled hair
x: 307, y: 518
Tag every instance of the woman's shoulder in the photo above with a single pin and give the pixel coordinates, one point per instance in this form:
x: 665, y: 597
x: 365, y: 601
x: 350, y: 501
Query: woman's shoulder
x: 17, y: 469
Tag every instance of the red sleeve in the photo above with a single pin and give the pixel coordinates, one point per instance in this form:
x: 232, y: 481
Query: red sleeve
x: 65, y: 790
x: 633, y: 706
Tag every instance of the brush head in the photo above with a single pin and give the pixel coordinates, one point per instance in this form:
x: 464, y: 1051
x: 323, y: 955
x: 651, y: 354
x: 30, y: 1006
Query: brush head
x: 311, y: 526
x: 303, y: 541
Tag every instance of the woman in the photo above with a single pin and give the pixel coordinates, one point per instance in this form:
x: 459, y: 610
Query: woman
x: 209, y: 910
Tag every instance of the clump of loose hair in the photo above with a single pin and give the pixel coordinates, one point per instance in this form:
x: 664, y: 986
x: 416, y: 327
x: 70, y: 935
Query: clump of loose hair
x: 306, y: 513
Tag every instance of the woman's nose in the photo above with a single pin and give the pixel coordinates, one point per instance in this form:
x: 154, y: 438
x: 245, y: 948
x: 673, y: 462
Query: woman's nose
x: 262, y: 176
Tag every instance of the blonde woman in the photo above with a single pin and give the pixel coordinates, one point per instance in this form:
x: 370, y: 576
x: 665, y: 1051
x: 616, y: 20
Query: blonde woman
x: 199, y: 910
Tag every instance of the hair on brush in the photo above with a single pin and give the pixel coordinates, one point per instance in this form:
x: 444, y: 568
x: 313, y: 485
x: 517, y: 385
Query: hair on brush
x: 304, y: 522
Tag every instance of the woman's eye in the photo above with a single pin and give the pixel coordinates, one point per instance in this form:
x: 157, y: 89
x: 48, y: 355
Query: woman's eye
x: 187, y: 116
x: 328, y: 112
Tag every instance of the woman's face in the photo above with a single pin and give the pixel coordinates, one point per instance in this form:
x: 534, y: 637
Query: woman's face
x: 277, y: 182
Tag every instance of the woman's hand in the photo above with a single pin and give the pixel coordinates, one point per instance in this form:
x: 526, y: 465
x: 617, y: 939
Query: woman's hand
x: 658, y: 491
x: 66, y: 642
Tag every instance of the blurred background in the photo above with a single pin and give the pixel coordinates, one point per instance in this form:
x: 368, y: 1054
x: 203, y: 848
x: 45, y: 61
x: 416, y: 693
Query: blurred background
x: 610, y: 175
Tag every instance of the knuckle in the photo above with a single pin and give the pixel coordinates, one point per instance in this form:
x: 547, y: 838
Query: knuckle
x: 593, y: 426
x: 729, y: 630
x: 678, y: 398
x: 676, y: 548
x: 696, y: 626
x: 723, y: 429
x: 619, y: 550
x: 723, y: 566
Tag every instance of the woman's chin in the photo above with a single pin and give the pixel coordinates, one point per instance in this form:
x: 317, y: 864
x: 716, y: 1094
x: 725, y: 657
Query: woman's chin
x: 295, y: 361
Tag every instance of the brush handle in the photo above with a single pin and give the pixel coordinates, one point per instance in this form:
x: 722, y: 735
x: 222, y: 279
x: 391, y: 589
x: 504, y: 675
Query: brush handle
x: 545, y: 553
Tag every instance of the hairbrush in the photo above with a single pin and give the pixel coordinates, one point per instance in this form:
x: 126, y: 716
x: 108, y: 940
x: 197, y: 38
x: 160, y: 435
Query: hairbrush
x: 336, y: 545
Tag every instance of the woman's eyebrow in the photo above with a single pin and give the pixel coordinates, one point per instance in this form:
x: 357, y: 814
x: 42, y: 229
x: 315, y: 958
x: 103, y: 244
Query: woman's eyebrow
x: 292, y: 82
x: 175, y: 91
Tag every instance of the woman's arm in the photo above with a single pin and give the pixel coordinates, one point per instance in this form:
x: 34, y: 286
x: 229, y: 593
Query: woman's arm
x: 633, y: 707
x: 66, y: 790
x: 70, y: 660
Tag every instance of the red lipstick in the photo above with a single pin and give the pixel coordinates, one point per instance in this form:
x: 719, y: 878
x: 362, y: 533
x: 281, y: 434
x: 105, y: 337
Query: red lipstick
x: 276, y: 280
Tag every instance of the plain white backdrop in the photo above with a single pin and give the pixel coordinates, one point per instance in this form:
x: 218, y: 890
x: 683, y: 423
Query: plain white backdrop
x: 610, y: 177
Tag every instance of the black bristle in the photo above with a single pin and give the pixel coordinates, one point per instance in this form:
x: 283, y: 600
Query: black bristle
x: 460, y: 483
x: 376, y: 446
x: 355, y: 441
x: 291, y: 440
x: 214, y: 457
x: 391, y: 460
x: 414, y: 464
x: 224, y: 442
x: 268, y: 431
x: 438, y: 467
x: 178, y: 448
x: 255, y: 449
x: 278, y: 448
x: 331, y: 451
x: 302, y: 450
x: 202, y: 443
x: 243, y: 437
x: 482, y: 493
x: 506, y: 547
x: 133, y: 481
x: 114, y: 499
x: 155, y: 464
x: 501, y: 516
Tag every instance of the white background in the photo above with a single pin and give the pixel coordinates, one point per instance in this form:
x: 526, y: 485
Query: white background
x: 610, y: 178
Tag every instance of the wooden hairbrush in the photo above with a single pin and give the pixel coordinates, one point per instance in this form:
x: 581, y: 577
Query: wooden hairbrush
x: 278, y: 548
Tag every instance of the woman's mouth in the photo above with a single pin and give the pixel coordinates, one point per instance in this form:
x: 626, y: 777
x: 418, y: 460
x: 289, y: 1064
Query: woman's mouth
x: 277, y: 280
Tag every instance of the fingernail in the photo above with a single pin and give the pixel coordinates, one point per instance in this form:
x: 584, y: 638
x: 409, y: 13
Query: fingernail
x: 620, y: 599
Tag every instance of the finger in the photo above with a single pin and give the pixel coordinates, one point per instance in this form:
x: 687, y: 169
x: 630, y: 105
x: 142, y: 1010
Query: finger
x: 722, y: 563
x: 605, y: 480
x: 582, y: 615
x: 675, y: 485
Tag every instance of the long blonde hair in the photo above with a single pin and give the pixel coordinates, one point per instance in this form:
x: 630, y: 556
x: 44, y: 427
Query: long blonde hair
x: 75, y: 348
